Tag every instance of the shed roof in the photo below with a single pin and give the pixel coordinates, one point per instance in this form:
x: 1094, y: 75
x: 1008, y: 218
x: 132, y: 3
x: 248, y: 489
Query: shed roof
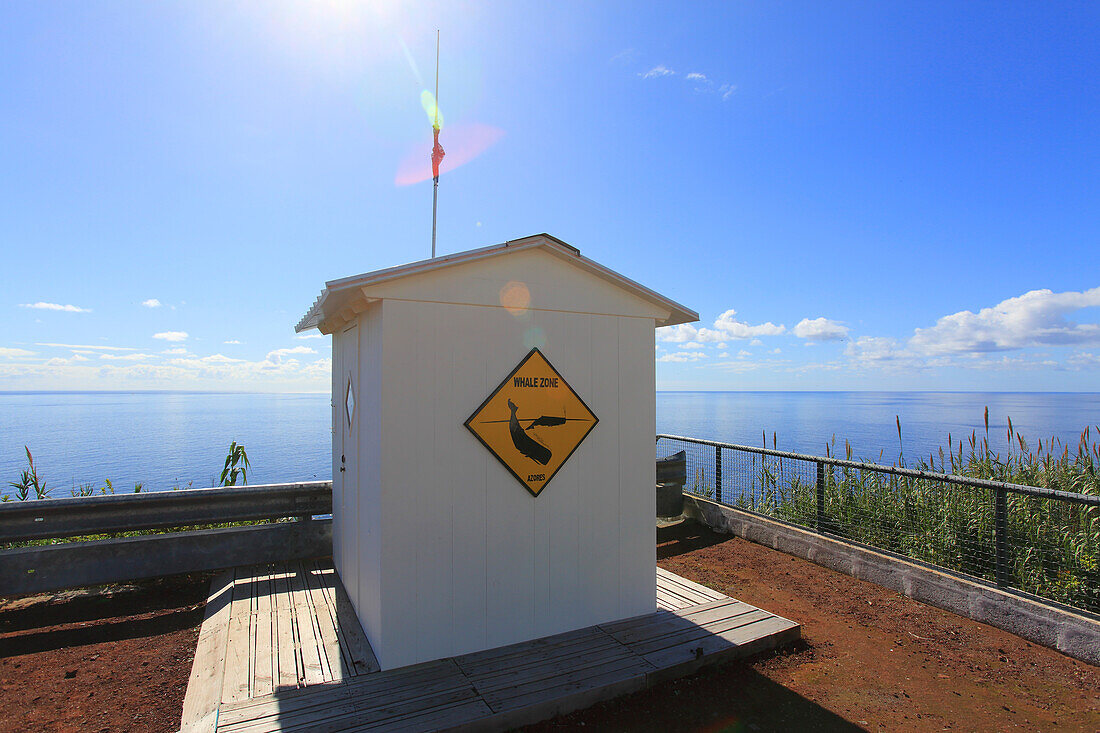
x: 339, y: 294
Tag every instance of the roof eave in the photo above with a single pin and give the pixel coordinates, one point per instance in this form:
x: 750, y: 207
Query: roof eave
x: 316, y: 314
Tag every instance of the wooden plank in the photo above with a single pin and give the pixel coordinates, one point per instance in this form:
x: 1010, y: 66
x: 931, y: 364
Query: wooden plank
x: 740, y: 642
x: 327, y: 578
x: 516, y: 670
x: 514, y: 685
x: 615, y: 627
x: 670, y: 600
x: 264, y: 673
x: 546, y: 668
x: 691, y: 595
x: 307, y: 625
x: 502, y: 656
x: 285, y: 644
x: 204, y: 686
x: 397, y: 700
x: 666, y: 579
x: 363, y: 660
x: 332, y: 665
x: 451, y: 716
x: 396, y: 715
x: 676, y: 623
x: 697, y: 633
x: 569, y: 683
x: 238, y: 664
x: 366, y: 687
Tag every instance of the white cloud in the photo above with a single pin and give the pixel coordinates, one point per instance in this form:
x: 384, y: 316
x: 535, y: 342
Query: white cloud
x: 278, y: 354
x: 1036, y: 318
x: 231, y: 342
x: 1084, y: 360
x: 755, y: 342
x: 820, y: 329
x: 678, y: 333
x: 705, y: 85
x: 310, y: 336
x: 12, y: 353
x: 777, y: 351
x: 143, y: 371
x: 171, y: 335
x: 657, y: 71
x: 742, y: 353
x: 879, y: 351
x: 690, y: 345
x: 726, y: 328
x: 55, y: 307
x: 733, y: 329
x: 87, y: 347
x: 683, y: 356
x: 723, y: 355
x: 58, y: 361
x: 177, y: 350
x: 126, y: 357
x: 151, y: 303
x: 622, y: 57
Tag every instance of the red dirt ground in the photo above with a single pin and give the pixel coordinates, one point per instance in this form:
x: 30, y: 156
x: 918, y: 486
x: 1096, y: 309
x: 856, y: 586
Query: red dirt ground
x: 870, y: 659
x: 105, y: 660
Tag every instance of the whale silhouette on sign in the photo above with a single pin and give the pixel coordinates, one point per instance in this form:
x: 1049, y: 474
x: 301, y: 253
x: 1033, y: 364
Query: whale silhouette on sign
x: 526, y: 445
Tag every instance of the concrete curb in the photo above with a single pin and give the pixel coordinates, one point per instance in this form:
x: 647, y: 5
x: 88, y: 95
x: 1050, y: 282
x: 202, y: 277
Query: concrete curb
x: 1052, y: 626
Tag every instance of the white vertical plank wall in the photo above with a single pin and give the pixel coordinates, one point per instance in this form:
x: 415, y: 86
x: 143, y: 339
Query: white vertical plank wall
x: 441, y: 550
x: 366, y: 522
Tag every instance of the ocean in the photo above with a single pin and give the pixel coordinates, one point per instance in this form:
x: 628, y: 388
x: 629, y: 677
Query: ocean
x: 169, y: 439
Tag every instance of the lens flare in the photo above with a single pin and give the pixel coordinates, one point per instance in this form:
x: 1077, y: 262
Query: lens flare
x: 515, y: 297
x: 534, y: 337
x: 427, y: 101
x: 464, y: 142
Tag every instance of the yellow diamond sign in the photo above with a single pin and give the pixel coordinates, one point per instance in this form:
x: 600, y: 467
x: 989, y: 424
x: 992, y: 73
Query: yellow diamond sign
x: 532, y: 422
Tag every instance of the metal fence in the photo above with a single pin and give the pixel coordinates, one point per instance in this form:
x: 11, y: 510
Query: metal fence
x: 1037, y: 540
x: 30, y: 562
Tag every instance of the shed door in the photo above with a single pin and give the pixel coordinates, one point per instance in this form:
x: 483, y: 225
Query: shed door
x: 346, y: 437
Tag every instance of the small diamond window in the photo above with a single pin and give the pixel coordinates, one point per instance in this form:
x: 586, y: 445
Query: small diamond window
x: 349, y: 404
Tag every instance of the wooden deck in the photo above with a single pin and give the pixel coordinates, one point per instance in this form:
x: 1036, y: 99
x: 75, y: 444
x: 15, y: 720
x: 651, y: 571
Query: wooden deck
x: 281, y: 649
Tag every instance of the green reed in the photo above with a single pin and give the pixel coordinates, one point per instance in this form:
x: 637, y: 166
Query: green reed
x: 1053, y: 545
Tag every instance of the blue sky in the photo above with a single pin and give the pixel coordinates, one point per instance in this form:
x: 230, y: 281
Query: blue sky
x: 852, y: 195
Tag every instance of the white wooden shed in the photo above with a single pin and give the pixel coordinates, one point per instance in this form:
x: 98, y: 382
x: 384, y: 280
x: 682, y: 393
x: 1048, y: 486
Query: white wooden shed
x: 442, y: 546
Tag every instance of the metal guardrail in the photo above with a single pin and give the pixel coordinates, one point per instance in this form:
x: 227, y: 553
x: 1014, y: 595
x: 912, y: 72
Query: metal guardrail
x: 88, y: 515
x: 45, y: 567
x: 1038, y: 540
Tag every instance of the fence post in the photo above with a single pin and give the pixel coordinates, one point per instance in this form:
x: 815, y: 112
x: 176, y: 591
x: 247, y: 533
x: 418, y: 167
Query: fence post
x: 1000, y: 524
x: 718, y: 474
x: 820, y: 496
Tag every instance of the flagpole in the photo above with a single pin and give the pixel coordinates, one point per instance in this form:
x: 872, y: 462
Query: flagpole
x: 435, y: 126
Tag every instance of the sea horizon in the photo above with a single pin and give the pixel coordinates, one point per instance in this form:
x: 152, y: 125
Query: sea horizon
x: 177, y: 438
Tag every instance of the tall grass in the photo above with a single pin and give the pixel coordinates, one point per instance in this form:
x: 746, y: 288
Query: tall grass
x: 1053, y: 546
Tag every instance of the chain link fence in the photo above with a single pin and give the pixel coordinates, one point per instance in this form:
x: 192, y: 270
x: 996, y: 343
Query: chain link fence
x: 1037, y: 540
